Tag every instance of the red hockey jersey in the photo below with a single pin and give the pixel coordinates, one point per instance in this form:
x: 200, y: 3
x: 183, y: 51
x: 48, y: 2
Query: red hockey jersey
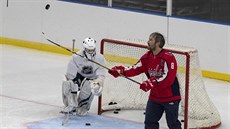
x: 162, y: 68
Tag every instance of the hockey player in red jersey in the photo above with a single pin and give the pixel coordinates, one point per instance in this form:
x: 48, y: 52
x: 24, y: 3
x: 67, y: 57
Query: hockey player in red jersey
x: 160, y: 67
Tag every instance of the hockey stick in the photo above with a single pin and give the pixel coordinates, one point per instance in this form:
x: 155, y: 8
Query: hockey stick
x: 85, y: 57
x: 66, y: 119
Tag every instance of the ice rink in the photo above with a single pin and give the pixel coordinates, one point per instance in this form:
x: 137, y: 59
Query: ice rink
x: 30, y: 95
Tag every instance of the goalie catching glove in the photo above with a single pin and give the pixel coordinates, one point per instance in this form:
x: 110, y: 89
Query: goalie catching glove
x: 148, y: 84
x: 96, y: 86
x: 116, y: 71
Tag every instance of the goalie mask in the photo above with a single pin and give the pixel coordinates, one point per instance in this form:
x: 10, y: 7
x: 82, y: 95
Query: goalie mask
x: 89, y: 47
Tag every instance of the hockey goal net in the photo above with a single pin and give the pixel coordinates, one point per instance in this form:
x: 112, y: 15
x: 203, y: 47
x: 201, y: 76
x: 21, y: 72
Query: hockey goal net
x: 196, y: 108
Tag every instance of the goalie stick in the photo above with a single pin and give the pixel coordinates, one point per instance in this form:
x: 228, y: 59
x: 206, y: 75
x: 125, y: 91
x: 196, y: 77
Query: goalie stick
x: 66, y: 119
x: 85, y: 57
x: 66, y: 116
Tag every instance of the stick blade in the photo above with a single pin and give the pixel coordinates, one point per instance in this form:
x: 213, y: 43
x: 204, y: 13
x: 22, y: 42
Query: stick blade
x: 66, y: 119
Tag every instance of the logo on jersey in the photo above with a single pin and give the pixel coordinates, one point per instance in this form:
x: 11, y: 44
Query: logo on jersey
x: 87, y: 70
x: 156, y: 73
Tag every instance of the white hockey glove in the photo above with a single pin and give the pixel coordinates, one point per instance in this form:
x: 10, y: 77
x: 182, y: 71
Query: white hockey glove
x: 96, y: 86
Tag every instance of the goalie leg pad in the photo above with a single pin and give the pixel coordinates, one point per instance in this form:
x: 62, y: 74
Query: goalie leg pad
x: 65, y: 92
x: 66, y: 88
x: 69, y: 98
x: 70, y: 102
x: 65, y: 100
x: 85, y: 98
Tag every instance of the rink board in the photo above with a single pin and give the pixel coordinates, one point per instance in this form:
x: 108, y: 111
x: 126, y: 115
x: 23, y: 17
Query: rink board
x: 77, y: 122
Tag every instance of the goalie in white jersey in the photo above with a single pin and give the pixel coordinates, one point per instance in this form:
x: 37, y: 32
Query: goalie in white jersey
x: 83, y: 79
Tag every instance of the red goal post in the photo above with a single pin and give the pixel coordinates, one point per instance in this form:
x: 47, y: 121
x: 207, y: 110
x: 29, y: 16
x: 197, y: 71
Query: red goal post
x: 196, y: 108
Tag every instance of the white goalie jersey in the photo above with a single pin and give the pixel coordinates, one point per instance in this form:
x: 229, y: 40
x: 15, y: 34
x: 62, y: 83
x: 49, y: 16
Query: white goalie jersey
x: 85, y: 67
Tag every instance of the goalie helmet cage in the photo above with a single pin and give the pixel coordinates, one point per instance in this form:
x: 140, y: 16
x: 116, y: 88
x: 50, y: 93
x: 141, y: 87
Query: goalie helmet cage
x: 196, y: 108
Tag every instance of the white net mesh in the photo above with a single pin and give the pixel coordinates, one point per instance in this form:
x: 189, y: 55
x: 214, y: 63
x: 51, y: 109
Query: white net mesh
x: 121, y: 93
